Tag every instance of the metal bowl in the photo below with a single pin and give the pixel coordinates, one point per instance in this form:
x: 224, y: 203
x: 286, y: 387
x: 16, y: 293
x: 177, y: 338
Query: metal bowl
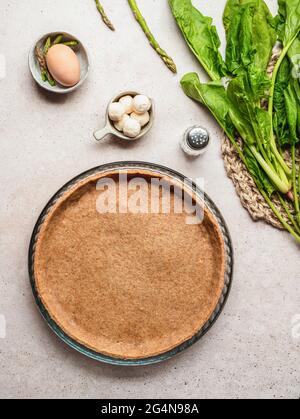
x: 156, y: 169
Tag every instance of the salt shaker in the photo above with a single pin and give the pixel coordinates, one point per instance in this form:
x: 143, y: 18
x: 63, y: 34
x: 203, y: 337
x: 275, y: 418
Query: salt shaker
x: 195, y: 141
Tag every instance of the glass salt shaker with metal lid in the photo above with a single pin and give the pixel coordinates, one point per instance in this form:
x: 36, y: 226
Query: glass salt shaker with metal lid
x: 195, y: 141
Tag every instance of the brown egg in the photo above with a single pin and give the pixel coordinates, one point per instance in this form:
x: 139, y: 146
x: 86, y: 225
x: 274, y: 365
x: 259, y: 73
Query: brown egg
x: 63, y: 65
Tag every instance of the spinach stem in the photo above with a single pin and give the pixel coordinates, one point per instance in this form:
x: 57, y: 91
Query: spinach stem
x: 282, y: 174
x: 263, y: 151
x: 283, y: 187
x: 279, y: 216
x: 299, y: 181
x: 280, y: 159
x: 288, y: 212
x: 237, y: 147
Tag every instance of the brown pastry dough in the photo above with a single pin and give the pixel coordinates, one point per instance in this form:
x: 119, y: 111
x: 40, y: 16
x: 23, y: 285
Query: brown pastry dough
x: 127, y: 285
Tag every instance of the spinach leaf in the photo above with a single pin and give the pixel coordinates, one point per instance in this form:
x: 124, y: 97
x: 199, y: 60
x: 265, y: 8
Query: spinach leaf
x: 246, y: 23
x: 294, y: 51
x: 280, y: 122
x: 292, y: 114
x: 254, y: 125
x: 255, y: 121
x: 201, y: 36
x: 287, y: 98
x: 296, y: 87
x: 294, y: 57
x: 212, y: 95
x: 288, y: 20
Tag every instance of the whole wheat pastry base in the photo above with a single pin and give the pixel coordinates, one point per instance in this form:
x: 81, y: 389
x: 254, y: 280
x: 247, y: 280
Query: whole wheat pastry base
x: 107, y: 302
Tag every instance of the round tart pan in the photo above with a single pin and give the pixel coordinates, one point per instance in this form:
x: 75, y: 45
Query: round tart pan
x: 158, y: 170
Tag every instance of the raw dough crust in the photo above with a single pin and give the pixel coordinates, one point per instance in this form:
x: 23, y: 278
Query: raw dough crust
x: 129, y: 286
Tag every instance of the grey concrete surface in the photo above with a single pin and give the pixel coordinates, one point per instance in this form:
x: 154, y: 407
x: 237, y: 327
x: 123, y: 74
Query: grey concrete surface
x: 254, y: 349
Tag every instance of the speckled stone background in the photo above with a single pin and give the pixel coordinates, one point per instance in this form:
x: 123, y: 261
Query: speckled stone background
x: 254, y: 349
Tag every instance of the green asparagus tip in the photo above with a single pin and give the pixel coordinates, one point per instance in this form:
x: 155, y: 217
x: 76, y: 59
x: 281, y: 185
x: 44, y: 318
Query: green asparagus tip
x: 71, y: 43
x: 47, y: 46
x: 104, y: 17
x: 172, y: 66
x: 58, y: 40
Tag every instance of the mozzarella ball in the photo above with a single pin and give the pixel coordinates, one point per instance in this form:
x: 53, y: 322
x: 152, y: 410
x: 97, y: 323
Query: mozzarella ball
x: 116, y: 111
x: 127, y: 102
x: 141, y: 104
x: 132, y: 128
x: 119, y: 125
x: 143, y: 118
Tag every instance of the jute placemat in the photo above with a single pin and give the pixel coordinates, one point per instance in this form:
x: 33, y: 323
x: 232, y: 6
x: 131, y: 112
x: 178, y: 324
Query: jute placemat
x: 246, y: 189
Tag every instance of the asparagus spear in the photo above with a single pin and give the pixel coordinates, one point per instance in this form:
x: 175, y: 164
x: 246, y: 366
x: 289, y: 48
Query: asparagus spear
x: 40, y: 55
x: 50, y: 79
x: 57, y: 40
x: 70, y: 43
x: 104, y: 15
x: 164, y: 56
x: 47, y: 46
x: 46, y: 74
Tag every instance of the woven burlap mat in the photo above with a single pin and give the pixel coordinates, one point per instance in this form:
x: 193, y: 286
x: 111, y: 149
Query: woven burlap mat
x: 246, y: 189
